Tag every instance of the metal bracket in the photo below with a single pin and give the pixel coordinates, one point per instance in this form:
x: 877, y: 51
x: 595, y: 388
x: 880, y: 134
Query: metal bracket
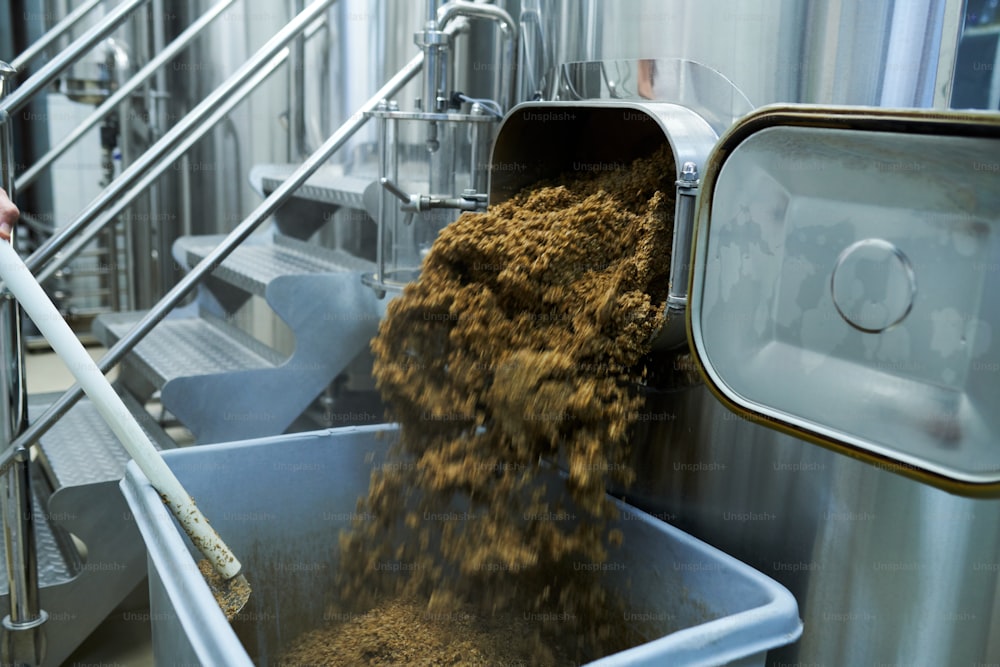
x: 469, y: 200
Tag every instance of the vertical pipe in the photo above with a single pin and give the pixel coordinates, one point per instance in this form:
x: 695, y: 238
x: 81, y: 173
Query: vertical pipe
x: 382, y: 125
x: 479, y: 155
x: 14, y: 404
x: 297, y: 147
x: 23, y: 641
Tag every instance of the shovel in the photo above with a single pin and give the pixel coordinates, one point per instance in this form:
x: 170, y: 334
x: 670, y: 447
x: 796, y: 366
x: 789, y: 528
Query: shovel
x: 224, y: 576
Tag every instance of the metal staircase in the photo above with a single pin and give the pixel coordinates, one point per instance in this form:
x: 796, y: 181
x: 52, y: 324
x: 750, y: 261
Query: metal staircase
x: 222, y: 383
x: 83, y: 554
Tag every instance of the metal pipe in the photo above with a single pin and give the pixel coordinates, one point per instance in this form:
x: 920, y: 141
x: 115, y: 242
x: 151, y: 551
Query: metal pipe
x: 459, y: 8
x: 80, y: 241
x: 687, y: 193
x: 159, y: 110
x: 219, y: 254
x: 297, y: 143
x: 51, y: 70
x: 23, y: 629
x: 57, y: 31
x: 23, y: 640
x: 140, y: 77
x: 431, y: 42
x: 189, y: 123
x: 22, y: 559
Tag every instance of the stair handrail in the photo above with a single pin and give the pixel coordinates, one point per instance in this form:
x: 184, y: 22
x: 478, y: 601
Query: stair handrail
x: 80, y: 240
x: 210, y: 262
x: 52, y: 69
x: 21, y: 636
x: 54, y: 33
x: 126, y: 89
x: 193, y: 121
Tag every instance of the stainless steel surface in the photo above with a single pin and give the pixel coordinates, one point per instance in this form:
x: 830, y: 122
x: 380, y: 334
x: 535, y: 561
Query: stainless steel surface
x: 540, y: 141
x: 886, y: 569
x: 253, y: 266
x: 850, y: 253
x: 237, y: 236
x: 188, y: 346
x: 52, y: 35
x: 51, y: 70
x: 404, y: 237
x: 223, y: 384
x: 23, y: 628
x: 78, y: 590
x: 122, y: 93
x: 329, y: 185
x: 707, y: 92
x: 56, y: 564
x: 22, y: 641
x: 435, y: 46
x: 680, y: 265
x: 846, y: 52
x: 191, y: 122
x: 505, y: 79
x: 298, y: 144
x: 81, y: 449
x: 706, y: 608
x: 76, y: 244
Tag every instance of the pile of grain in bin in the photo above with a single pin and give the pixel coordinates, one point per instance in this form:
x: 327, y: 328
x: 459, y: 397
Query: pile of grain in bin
x: 521, y: 344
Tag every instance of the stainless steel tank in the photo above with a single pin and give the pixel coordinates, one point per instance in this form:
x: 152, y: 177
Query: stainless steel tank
x: 887, y: 570
x: 879, y: 52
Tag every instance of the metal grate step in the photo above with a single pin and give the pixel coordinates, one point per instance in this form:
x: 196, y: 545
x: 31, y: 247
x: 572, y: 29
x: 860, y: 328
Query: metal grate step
x: 328, y: 185
x: 81, y: 449
x: 58, y: 562
x: 187, y: 346
x: 253, y: 265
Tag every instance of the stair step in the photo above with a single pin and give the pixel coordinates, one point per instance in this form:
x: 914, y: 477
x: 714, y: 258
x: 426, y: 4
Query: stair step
x: 187, y: 346
x: 328, y: 185
x: 253, y: 265
x: 81, y: 449
x: 58, y: 561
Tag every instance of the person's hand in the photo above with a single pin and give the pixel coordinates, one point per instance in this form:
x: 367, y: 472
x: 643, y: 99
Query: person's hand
x: 8, y: 215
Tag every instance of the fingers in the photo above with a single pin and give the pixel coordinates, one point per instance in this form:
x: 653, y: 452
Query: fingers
x: 8, y: 215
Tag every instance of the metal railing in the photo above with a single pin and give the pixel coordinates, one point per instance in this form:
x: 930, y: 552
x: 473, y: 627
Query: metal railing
x: 49, y: 38
x: 21, y: 641
x: 137, y: 79
x: 21, y: 647
x: 48, y: 73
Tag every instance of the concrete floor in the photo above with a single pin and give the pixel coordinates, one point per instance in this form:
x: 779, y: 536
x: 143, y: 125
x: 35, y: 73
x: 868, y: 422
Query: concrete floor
x: 123, y: 640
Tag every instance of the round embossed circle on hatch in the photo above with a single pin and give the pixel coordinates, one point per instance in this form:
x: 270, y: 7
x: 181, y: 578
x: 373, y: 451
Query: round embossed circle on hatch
x: 873, y: 285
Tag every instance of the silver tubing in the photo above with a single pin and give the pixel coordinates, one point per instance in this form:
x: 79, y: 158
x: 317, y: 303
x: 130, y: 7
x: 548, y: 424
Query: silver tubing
x: 87, y: 234
x: 140, y: 77
x: 297, y: 142
x: 21, y: 556
x: 458, y: 8
x: 51, y: 70
x: 23, y: 641
x: 13, y: 401
x: 54, y: 33
x: 79, y: 242
x: 192, y: 122
x: 219, y: 254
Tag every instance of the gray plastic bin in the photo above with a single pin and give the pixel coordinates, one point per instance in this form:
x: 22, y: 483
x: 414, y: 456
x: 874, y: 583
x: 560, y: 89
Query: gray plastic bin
x: 280, y: 503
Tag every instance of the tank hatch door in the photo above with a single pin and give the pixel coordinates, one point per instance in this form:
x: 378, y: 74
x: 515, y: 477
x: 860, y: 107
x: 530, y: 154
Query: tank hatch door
x: 845, y: 284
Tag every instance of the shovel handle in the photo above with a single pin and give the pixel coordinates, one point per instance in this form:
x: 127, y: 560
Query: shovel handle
x: 22, y: 284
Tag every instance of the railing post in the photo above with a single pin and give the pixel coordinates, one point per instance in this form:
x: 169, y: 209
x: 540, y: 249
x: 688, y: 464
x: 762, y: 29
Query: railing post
x: 23, y: 638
